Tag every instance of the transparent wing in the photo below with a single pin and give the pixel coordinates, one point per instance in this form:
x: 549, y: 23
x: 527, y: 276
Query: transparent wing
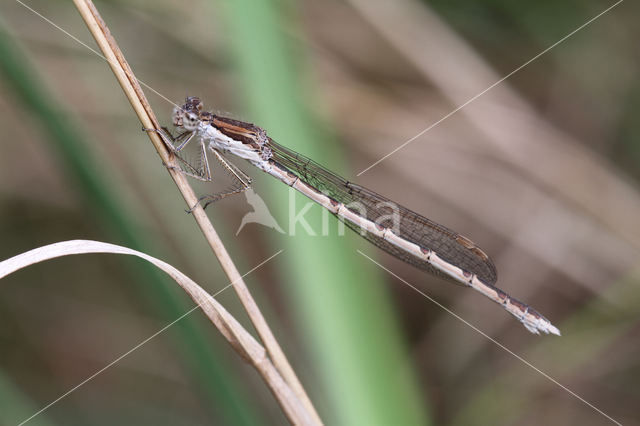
x: 447, y: 244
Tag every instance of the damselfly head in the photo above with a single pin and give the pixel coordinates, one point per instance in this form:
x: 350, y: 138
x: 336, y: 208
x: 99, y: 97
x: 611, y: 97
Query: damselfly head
x: 187, y: 119
x: 188, y: 115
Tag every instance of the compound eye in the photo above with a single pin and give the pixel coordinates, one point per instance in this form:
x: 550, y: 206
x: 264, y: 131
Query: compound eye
x: 193, y: 102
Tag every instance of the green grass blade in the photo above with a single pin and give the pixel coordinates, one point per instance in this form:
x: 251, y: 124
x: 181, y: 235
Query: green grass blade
x: 15, y: 406
x: 343, y: 303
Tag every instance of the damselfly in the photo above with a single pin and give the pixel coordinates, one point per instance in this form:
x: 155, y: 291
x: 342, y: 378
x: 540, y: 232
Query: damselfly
x: 395, y: 229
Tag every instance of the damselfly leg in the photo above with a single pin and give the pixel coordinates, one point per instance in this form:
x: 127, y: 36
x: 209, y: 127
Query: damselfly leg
x: 199, y: 167
x: 242, y: 182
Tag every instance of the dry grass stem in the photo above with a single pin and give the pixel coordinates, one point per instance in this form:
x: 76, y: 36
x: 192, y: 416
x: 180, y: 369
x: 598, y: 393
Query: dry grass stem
x: 134, y: 93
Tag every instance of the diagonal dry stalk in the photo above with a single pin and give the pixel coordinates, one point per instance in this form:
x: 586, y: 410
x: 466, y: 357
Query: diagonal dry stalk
x: 138, y: 101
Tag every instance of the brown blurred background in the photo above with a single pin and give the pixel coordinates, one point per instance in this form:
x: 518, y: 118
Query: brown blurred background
x: 541, y: 170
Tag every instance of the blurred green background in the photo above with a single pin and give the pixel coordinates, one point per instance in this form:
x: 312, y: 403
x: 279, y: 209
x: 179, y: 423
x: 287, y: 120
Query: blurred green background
x: 541, y: 171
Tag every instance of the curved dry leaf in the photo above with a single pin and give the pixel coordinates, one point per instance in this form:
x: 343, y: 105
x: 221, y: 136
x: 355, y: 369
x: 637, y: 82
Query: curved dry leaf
x: 228, y: 326
x: 244, y: 343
